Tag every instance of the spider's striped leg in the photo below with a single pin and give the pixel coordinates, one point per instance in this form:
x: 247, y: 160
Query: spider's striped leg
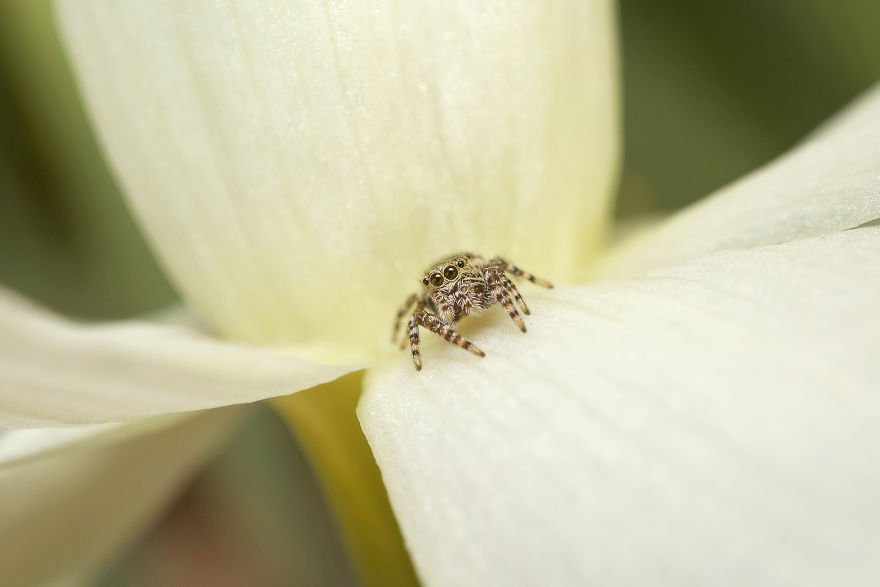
x: 437, y: 326
x: 514, y: 293
x: 410, y: 300
x: 414, y: 343
x: 514, y: 270
x: 500, y: 295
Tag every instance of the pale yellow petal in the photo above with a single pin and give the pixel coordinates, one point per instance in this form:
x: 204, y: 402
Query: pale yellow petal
x: 53, y: 371
x: 298, y: 164
x: 828, y: 183
x: 714, y: 423
x: 66, y: 515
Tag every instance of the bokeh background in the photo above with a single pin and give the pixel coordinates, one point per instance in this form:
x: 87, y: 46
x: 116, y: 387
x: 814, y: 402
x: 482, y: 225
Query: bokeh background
x: 712, y: 90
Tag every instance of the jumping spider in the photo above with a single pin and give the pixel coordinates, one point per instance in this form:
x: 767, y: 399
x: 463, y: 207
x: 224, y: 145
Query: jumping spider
x: 456, y: 287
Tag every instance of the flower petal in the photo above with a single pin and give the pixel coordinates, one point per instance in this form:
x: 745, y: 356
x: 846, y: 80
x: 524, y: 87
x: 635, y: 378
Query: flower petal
x: 709, y: 424
x: 33, y: 444
x: 830, y: 182
x: 107, y: 494
x: 57, y: 372
x: 297, y: 164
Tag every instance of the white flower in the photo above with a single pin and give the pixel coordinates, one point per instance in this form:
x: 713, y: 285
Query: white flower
x: 703, y: 411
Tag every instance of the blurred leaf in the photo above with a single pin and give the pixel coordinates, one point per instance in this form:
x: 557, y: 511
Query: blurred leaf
x: 713, y: 90
x: 66, y: 237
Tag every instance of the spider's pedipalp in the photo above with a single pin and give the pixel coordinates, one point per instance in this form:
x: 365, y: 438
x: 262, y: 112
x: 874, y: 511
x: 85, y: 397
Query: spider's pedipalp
x: 514, y: 270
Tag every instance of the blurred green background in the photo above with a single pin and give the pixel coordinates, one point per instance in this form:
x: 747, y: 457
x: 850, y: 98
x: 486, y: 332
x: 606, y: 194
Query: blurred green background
x: 715, y: 89
x: 712, y: 90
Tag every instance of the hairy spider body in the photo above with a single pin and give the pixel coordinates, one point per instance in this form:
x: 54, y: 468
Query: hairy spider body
x: 459, y: 286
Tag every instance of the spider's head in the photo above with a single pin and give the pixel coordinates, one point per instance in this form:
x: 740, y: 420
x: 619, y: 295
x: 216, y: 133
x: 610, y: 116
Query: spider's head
x: 447, y: 271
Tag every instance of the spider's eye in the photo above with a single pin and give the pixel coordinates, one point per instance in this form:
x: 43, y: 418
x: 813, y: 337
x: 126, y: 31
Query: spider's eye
x: 450, y: 272
x: 436, y: 279
x: 460, y: 263
x: 425, y: 280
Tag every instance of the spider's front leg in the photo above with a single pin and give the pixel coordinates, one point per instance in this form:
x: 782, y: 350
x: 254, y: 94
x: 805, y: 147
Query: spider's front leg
x: 414, y: 343
x: 511, y: 289
x: 437, y: 326
x: 495, y: 280
x: 514, y: 270
x: 404, y: 309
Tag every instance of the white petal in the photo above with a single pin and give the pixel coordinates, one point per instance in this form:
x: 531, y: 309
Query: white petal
x: 66, y: 515
x: 710, y: 424
x: 830, y: 182
x: 31, y: 444
x: 57, y: 372
x: 298, y: 164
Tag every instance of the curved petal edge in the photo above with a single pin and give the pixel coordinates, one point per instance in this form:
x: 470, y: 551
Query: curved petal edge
x: 830, y: 182
x: 108, y: 494
x: 56, y: 372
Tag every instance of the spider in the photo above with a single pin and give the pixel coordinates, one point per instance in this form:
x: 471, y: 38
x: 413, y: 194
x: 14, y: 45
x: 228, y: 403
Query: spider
x: 456, y: 287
